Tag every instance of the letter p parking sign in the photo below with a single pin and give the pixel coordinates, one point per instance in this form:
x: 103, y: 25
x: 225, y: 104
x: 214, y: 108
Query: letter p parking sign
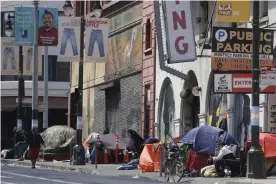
x: 221, y: 35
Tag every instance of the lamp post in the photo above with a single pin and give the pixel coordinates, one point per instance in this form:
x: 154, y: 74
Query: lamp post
x: 78, y: 150
x: 21, y: 89
x: 255, y: 158
x: 35, y: 71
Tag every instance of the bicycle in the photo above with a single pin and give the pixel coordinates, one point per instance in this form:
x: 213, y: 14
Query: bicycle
x: 174, y: 164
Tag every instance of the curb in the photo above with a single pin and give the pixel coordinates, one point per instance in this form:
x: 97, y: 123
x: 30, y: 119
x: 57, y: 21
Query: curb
x: 70, y: 168
x: 38, y: 164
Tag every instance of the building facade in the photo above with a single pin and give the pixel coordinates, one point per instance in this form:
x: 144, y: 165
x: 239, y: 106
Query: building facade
x: 177, y: 110
x: 59, y: 74
x: 112, y: 94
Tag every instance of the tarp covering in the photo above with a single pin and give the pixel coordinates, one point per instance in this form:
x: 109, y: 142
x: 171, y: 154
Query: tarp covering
x: 204, y: 139
x: 268, y: 143
x: 109, y: 140
x: 150, y: 158
x: 58, y: 139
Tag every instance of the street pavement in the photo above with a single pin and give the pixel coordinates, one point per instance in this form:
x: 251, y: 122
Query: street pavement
x: 63, y: 172
x: 27, y: 175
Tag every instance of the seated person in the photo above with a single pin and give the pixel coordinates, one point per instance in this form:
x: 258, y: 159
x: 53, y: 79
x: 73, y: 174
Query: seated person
x: 226, y: 159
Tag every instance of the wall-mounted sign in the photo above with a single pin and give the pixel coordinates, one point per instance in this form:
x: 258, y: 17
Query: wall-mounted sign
x: 237, y: 83
x: 268, y: 76
x: 232, y: 48
x: 232, y: 11
x: 223, y: 83
x: 180, y: 33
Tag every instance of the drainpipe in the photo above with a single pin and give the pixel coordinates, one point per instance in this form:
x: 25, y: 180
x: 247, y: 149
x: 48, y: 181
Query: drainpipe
x: 160, y: 45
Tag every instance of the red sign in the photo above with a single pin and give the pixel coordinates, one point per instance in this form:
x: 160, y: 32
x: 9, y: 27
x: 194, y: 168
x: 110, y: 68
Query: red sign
x: 242, y: 83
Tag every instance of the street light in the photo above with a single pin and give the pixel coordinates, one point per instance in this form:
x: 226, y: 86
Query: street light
x: 78, y: 150
x: 21, y: 89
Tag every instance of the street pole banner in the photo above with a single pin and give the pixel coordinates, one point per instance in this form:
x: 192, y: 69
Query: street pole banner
x: 232, y: 11
x: 28, y: 61
x: 69, y: 39
x: 24, y: 26
x: 96, y: 42
x: 9, y: 56
x: 232, y: 48
x: 180, y: 32
x: 48, y: 27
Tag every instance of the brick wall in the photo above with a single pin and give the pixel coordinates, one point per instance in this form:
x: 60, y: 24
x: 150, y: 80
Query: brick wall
x: 128, y: 108
x: 148, y: 76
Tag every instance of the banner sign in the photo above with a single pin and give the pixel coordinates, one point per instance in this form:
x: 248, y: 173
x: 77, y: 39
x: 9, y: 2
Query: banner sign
x: 237, y: 83
x: 24, y: 26
x: 232, y: 11
x: 48, y: 27
x: 268, y: 76
x: 28, y: 61
x: 69, y: 39
x: 9, y: 56
x: 96, y: 42
x: 180, y: 33
x: 232, y: 48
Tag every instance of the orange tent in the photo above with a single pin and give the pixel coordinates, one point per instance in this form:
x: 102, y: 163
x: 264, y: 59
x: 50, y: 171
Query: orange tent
x: 268, y: 143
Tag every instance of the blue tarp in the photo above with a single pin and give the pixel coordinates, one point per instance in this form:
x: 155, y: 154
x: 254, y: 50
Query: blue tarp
x: 204, y: 139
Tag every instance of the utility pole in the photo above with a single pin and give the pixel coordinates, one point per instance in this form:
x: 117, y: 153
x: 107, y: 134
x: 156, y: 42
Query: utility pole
x: 255, y: 157
x: 45, y: 97
x: 35, y: 71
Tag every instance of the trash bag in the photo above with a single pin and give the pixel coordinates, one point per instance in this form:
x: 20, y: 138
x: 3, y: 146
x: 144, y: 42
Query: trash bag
x: 58, y: 139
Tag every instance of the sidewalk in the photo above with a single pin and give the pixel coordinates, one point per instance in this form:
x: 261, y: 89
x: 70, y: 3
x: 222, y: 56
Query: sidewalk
x: 111, y: 170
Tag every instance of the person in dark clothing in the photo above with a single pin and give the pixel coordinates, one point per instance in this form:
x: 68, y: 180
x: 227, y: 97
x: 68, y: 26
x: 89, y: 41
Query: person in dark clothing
x: 135, y: 142
x: 34, y: 140
x: 20, y: 143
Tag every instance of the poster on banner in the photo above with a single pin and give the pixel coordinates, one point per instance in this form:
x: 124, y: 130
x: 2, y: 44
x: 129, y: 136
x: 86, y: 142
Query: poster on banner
x: 48, y: 27
x: 232, y: 48
x: 96, y: 42
x: 69, y: 39
x: 28, y: 61
x: 9, y: 56
x: 181, y: 43
x: 232, y: 11
x: 24, y: 26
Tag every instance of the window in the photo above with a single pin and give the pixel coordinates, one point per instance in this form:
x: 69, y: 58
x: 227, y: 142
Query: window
x: 148, y: 36
x: 105, y: 2
x: 263, y: 8
x: 147, y: 101
x: 4, y: 17
x: 202, y: 19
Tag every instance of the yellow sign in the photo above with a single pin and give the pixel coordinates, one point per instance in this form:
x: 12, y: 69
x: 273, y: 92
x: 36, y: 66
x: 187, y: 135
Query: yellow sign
x: 232, y: 11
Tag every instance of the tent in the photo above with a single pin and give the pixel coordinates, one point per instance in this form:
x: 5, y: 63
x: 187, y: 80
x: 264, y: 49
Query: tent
x: 204, y: 139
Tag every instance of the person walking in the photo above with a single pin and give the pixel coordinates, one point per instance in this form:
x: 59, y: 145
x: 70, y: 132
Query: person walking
x: 34, y: 140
